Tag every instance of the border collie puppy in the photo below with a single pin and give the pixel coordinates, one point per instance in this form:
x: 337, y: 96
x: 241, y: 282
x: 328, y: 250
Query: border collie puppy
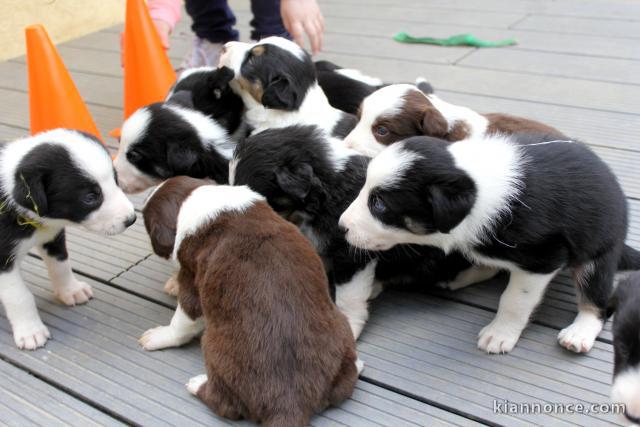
x: 626, y: 346
x: 206, y: 89
x: 164, y: 140
x: 399, y: 111
x: 310, y: 179
x: 48, y: 181
x: 277, y: 81
x: 529, y: 204
x: 346, y: 88
x: 276, y: 348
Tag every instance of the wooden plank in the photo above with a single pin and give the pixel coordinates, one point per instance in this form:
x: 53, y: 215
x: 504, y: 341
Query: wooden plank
x: 14, y: 114
x: 552, y: 64
x: 540, y: 353
x: 527, y: 40
x: 598, y: 128
x: 94, y: 353
x: 427, y: 346
x: 42, y: 404
x: 622, y: 28
x: 384, y: 13
x: 543, y: 89
x: 602, y: 9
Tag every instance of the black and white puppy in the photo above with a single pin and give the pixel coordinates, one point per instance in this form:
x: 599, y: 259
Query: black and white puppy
x: 47, y: 182
x: 164, y: 140
x: 206, y: 89
x: 277, y: 81
x: 525, y: 203
x: 310, y: 179
x: 346, y: 88
x: 626, y: 346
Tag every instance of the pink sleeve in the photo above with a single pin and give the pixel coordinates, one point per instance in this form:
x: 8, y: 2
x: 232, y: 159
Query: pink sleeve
x: 165, y: 10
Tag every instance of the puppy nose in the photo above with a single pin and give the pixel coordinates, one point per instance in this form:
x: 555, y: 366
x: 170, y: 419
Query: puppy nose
x: 130, y: 220
x: 343, y: 227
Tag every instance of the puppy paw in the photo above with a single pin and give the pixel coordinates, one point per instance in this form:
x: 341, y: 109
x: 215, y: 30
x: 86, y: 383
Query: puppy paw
x: 576, y: 338
x: 74, y: 293
x: 32, y: 336
x: 171, y: 286
x: 195, y: 383
x: 162, y: 337
x: 359, y: 366
x: 498, y: 338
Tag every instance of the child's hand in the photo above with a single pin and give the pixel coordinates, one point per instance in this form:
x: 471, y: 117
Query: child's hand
x: 164, y: 30
x: 303, y: 16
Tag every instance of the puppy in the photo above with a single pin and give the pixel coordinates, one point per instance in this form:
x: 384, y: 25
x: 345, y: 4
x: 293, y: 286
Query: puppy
x: 400, y: 111
x: 164, y: 140
x: 310, y: 180
x: 276, y: 348
x: 47, y: 182
x: 626, y: 346
x: 346, y: 88
x: 206, y: 89
x: 530, y: 204
x: 277, y: 81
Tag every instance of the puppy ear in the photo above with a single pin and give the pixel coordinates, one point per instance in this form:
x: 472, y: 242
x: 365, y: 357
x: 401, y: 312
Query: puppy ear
x: 29, y: 192
x: 221, y: 77
x: 451, y: 205
x: 280, y: 94
x: 183, y: 98
x: 296, y: 180
x: 433, y: 123
x: 180, y: 159
x: 162, y: 239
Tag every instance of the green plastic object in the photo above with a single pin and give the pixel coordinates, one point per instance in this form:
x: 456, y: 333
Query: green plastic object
x: 457, y: 40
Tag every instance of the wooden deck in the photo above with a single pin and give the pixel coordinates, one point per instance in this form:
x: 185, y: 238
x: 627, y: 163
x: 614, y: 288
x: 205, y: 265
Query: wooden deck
x: 577, y: 67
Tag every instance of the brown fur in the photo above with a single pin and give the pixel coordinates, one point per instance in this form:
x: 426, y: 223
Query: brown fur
x: 254, y: 88
x: 504, y: 123
x: 276, y: 348
x: 418, y: 116
x: 161, y: 216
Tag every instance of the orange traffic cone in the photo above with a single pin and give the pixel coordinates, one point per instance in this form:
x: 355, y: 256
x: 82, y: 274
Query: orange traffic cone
x: 54, y: 101
x: 148, y: 74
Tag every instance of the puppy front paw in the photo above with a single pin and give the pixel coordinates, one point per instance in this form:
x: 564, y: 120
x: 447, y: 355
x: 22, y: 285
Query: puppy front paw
x: 73, y: 293
x: 171, y: 286
x: 576, y: 339
x: 498, y: 337
x: 195, y: 383
x: 162, y: 337
x: 31, y: 336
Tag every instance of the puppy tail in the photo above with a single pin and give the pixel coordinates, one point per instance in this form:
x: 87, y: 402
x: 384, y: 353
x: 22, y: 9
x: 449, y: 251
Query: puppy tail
x: 424, y: 86
x: 286, y: 420
x: 630, y: 259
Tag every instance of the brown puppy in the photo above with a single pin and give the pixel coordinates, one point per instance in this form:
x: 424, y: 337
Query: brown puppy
x: 276, y: 348
x: 399, y: 111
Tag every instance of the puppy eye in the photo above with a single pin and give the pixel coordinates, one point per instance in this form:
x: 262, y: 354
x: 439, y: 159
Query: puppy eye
x: 134, y: 156
x: 378, y: 206
x: 381, y: 130
x: 217, y: 93
x: 92, y: 198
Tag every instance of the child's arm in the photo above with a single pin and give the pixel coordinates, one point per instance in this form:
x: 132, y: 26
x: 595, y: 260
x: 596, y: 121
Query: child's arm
x: 165, y: 14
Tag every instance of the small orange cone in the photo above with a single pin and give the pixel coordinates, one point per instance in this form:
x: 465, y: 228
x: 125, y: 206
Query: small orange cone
x: 148, y: 74
x: 54, y: 101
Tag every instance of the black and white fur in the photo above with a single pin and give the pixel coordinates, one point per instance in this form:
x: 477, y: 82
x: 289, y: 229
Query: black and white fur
x: 164, y: 140
x: 206, y: 89
x: 626, y: 346
x: 47, y: 182
x: 278, y: 84
x: 525, y: 203
x: 310, y: 179
x: 346, y: 88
